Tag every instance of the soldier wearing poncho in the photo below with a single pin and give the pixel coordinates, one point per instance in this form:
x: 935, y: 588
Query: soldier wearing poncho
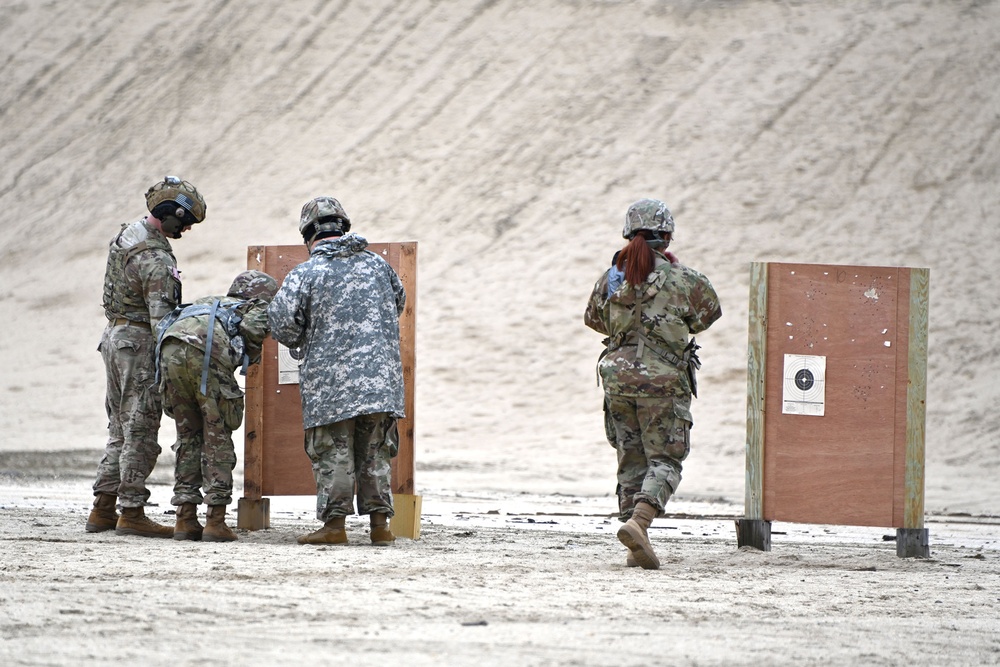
x: 141, y: 285
x: 648, y: 305
x: 199, y: 349
x: 341, y: 309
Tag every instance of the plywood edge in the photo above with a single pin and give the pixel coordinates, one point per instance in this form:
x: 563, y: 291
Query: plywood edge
x: 756, y: 371
x: 404, y: 482
x: 916, y: 397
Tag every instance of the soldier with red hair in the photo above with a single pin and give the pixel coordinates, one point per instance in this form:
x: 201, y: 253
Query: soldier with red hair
x: 649, y: 306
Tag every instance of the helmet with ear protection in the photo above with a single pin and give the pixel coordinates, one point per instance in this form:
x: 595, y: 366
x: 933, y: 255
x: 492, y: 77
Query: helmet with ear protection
x: 177, y: 199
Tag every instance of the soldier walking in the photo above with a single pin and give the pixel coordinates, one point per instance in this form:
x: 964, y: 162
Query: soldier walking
x: 141, y: 285
x: 648, y: 305
x: 341, y: 309
x: 199, y: 348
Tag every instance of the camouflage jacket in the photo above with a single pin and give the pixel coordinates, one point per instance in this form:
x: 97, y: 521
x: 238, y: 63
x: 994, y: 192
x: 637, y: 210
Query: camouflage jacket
x: 642, y: 361
x: 141, y: 281
x: 341, y: 307
x: 225, y: 356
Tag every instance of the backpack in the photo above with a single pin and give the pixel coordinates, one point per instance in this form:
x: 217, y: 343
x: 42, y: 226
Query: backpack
x: 227, y: 314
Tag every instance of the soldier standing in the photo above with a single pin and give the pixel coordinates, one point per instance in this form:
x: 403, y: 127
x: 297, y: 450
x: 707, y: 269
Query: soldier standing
x: 341, y: 308
x: 196, y: 361
x: 141, y: 285
x: 648, y: 305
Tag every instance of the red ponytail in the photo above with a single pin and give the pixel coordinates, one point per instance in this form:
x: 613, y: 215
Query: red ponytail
x: 636, y: 259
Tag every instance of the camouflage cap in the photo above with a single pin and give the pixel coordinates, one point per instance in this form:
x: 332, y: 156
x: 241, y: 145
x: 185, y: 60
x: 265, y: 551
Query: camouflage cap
x: 322, y: 208
x: 651, y: 214
x: 254, y: 285
x: 179, y: 191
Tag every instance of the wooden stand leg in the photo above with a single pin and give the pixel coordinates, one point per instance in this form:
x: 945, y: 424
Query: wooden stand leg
x: 754, y: 533
x: 406, y: 521
x: 913, y: 543
x: 253, y: 513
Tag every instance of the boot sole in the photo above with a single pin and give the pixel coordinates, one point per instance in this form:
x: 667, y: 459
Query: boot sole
x: 305, y: 539
x: 212, y: 538
x: 193, y: 537
x: 645, y: 560
x: 137, y: 533
x: 96, y: 528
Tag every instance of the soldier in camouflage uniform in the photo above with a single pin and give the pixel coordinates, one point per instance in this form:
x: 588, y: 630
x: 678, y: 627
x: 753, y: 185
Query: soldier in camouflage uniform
x: 648, y: 305
x: 204, y: 399
x: 341, y: 309
x: 141, y: 285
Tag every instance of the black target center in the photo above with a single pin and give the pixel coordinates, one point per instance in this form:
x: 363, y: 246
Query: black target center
x: 804, y: 379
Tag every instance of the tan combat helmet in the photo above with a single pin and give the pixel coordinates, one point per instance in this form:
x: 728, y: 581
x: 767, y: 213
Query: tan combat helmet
x: 176, y: 203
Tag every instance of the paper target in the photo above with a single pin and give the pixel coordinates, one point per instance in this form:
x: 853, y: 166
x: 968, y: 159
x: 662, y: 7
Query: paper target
x: 288, y: 364
x: 804, y: 385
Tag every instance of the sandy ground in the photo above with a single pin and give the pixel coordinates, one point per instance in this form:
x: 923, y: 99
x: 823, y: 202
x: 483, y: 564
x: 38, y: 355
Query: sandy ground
x: 507, y: 138
x: 494, y: 579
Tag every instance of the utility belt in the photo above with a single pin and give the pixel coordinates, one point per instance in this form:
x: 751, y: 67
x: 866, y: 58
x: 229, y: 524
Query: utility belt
x: 688, y: 362
x: 122, y: 321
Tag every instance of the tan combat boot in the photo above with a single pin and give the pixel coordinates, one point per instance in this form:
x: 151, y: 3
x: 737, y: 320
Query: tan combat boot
x: 633, y: 535
x: 332, y: 532
x: 103, y: 517
x: 380, y: 533
x: 216, y: 529
x: 133, y: 521
x: 187, y: 526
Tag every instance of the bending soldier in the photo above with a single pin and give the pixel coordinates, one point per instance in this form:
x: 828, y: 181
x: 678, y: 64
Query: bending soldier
x: 196, y: 361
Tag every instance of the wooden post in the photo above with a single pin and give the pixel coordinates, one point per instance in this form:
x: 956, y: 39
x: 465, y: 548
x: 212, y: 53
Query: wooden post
x: 753, y: 530
x: 253, y: 510
x: 912, y: 540
x: 407, y: 505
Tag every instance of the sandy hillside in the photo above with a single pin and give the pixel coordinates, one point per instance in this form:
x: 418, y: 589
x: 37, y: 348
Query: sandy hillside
x: 508, y: 138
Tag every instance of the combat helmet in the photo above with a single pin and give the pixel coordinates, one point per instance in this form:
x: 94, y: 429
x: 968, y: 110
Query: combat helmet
x: 176, y: 203
x: 322, y: 214
x: 651, y: 214
x: 254, y: 285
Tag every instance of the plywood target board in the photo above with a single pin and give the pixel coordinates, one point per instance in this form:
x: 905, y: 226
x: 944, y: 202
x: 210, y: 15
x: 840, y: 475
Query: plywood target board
x: 275, y: 462
x: 836, y: 394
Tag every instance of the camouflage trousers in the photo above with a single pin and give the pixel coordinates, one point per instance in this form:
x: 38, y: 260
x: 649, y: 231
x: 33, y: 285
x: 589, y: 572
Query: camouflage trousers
x: 133, y: 408
x: 205, y: 424
x: 653, y: 437
x: 353, y: 454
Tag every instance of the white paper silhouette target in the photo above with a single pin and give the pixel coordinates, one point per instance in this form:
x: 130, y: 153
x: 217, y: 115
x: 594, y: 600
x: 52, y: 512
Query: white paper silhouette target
x: 804, y: 385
